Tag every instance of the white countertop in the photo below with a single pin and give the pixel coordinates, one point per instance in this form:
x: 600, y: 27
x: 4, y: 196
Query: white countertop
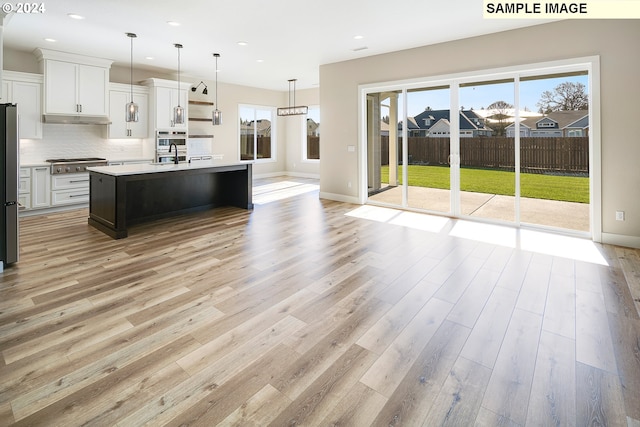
x: 136, y: 169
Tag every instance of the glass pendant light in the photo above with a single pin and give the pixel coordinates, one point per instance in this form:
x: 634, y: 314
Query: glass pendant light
x: 216, y: 118
x: 131, y: 114
x: 178, y: 112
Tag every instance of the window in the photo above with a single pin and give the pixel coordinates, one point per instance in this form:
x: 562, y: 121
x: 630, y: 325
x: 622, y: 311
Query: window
x: 257, y: 133
x: 311, y: 144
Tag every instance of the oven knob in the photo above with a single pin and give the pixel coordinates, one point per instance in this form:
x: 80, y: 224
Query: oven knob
x: 58, y: 170
x: 67, y: 169
x: 78, y: 168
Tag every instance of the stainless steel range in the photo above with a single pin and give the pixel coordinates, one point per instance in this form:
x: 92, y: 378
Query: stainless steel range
x: 61, y: 166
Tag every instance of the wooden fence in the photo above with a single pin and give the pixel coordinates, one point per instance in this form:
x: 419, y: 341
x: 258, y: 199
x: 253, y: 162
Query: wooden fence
x: 263, y: 147
x: 543, y: 155
x: 313, y: 147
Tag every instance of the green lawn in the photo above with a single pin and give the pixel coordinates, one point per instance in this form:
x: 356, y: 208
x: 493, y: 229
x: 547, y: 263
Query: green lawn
x: 537, y: 186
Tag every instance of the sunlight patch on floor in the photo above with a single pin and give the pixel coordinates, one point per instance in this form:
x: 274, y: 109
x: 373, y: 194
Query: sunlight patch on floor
x: 280, y: 190
x: 561, y: 246
x: 575, y: 248
x: 414, y: 220
x: 529, y: 240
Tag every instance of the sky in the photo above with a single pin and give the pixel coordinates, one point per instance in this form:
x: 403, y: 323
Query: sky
x: 481, y: 96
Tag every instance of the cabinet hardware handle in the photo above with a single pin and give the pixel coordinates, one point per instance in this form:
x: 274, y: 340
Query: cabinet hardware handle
x: 78, y: 180
x: 77, y: 195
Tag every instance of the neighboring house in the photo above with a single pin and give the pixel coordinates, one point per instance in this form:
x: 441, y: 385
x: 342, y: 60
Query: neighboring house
x: 436, y: 124
x: 313, y: 128
x: 384, y: 128
x: 263, y: 128
x: 554, y: 124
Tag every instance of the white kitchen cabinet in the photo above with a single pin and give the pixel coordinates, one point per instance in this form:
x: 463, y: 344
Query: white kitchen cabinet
x: 69, y: 189
x: 24, y: 188
x: 119, y: 97
x: 6, y: 96
x: 25, y: 89
x: 74, y: 84
x: 163, y: 97
x: 40, y: 187
x: 166, y: 100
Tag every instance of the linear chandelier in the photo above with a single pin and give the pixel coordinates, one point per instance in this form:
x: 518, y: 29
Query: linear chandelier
x: 295, y: 110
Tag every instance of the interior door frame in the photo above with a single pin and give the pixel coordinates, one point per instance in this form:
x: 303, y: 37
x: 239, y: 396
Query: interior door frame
x: 591, y: 64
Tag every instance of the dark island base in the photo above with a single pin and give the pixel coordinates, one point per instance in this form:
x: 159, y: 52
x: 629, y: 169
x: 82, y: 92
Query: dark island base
x: 117, y: 202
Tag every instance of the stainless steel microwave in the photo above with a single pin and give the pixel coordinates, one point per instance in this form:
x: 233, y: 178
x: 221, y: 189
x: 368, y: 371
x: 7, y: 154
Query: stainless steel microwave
x: 165, y: 138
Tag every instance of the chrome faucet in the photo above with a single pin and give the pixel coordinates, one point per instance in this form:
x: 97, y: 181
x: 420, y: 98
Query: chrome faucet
x: 175, y: 159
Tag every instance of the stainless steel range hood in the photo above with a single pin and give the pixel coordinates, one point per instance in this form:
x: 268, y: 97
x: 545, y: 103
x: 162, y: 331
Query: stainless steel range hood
x: 75, y: 120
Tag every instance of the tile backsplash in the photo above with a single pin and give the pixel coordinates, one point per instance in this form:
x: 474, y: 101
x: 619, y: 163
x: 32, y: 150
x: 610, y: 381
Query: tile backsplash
x: 68, y: 141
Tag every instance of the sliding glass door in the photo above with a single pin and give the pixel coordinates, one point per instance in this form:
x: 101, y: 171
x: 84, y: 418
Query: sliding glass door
x: 428, y: 147
x: 517, y: 150
x: 554, y: 151
x: 487, y: 153
x: 408, y: 155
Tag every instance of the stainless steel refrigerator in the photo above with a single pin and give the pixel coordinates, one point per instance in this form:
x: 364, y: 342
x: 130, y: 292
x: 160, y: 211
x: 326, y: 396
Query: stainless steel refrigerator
x: 9, y: 183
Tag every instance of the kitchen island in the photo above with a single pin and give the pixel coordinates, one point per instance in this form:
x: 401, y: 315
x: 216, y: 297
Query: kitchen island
x: 125, y: 195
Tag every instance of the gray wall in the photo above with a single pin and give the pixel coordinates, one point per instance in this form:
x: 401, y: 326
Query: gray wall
x: 614, y: 41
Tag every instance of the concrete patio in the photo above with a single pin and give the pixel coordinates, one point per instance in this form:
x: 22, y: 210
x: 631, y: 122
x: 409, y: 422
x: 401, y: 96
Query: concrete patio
x: 567, y: 215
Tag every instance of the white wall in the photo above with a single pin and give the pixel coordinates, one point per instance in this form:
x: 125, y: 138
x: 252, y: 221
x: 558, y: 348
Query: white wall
x: 619, y: 65
x: 226, y: 136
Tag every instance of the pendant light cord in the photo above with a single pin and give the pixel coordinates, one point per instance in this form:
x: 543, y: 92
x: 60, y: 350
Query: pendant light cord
x: 131, y: 70
x: 178, y: 47
x: 217, y: 81
x: 294, y: 92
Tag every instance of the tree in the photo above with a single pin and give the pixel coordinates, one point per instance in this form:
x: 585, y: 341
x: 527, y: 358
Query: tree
x: 499, y: 115
x: 567, y: 96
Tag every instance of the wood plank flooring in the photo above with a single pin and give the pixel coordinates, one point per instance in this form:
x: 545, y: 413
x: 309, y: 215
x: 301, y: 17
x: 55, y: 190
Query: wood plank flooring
x: 297, y: 314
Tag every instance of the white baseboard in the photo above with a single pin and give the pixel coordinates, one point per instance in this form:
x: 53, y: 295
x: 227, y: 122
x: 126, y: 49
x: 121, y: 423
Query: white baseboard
x: 295, y: 174
x: 621, y: 240
x: 339, y: 198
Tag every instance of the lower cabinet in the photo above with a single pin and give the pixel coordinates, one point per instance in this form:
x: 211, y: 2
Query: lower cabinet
x: 24, y: 188
x: 70, y: 189
x: 40, y: 187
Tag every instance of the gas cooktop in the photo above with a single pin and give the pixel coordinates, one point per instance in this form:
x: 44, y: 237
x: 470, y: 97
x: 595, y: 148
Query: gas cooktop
x: 60, y: 166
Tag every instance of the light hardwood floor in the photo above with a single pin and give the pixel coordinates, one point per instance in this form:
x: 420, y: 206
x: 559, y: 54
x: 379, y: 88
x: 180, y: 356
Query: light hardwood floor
x: 298, y: 314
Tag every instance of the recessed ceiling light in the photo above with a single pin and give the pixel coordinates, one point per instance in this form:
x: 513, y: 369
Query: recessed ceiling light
x: 75, y: 16
x: 259, y: 60
x: 150, y: 58
x: 173, y: 23
x: 242, y: 43
x: 50, y: 40
x: 358, y: 37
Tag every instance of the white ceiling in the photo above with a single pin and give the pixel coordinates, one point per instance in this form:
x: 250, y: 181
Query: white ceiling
x: 292, y: 37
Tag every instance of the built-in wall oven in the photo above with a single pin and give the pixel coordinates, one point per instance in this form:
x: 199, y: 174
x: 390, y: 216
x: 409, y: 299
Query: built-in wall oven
x: 165, y: 150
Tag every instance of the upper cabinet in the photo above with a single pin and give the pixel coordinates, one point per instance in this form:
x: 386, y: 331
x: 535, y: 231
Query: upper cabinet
x: 119, y: 96
x: 164, y: 96
x: 74, y: 84
x: 25, y: 90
